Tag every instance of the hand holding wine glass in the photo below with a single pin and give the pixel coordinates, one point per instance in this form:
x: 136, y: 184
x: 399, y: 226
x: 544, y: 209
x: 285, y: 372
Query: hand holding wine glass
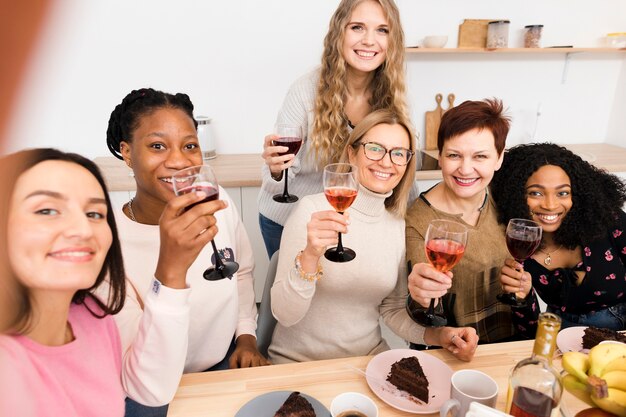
x: 202, y: 178
x: 289, y: 136
x: 445, y: 245
x: 340, y: 187
x: 523, y: 237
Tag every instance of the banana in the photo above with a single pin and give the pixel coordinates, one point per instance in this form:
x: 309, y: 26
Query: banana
x: 615, y: 379
x: 614, y: 403
x: 577, y: 388
x: 603, y: 354
x: 577, y: 364
x: 617, y: 364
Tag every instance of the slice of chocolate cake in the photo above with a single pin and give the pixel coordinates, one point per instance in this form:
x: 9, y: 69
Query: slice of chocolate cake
x: 407, y: 374
x: 295, y: 406
x: 595, y: 335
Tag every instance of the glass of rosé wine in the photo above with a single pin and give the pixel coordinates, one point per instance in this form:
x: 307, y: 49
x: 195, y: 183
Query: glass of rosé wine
x: 291, y: 137
x: 523, y: 237
x: 341, y: 186
x: 202, y: 178
x: 445, y: 245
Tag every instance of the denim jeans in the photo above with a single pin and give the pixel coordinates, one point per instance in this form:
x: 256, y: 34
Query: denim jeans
x: 613, y: 317
x: 271, y: 232
x: 134, y: 409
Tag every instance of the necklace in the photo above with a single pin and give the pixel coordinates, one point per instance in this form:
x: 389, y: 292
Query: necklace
x: 548, y: 259
x: 130, y: 209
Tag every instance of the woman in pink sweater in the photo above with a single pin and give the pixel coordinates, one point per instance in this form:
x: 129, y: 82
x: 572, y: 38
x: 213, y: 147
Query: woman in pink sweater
x: 62, y: 353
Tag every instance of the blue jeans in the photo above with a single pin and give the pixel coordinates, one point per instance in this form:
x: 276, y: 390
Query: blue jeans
x: 613, y: 317
x: 134, y: 409
x: 271, y: 232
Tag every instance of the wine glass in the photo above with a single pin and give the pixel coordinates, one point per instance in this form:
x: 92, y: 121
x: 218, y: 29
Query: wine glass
x: 291, y: 137
x: 340, y: 187
x: 202, y: 178
x: 523, y: 237
x: 445, y: 246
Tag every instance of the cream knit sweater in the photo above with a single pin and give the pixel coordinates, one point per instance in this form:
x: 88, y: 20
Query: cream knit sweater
x: 339, y: 315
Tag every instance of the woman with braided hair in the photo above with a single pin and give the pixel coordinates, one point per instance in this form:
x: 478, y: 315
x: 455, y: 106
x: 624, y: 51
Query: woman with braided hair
x: 579, y: 269
x: 362, y: 70
x: 175, y: 320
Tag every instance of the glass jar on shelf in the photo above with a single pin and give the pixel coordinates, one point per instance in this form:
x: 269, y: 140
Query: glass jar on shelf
x: 498, y: 34
x: 535, y: 387
x: 532, y: 36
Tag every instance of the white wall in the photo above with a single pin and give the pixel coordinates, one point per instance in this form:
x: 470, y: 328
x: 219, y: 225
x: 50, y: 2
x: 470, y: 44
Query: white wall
x: 236, y: 60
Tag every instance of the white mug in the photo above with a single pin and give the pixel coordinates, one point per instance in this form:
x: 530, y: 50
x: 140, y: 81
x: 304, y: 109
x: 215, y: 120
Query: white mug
x: 353, y: 404
x: 469, y: 385
x: 480, y: 410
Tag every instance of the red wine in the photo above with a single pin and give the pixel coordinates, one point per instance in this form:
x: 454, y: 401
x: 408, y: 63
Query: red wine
x: 340, y: 197
x: 530, y: 403
x: 444, y: 254
x: 292, y: 143
x: 521, y: 247
x: 211, y: 192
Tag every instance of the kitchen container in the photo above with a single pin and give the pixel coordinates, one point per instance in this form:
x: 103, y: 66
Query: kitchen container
x: 205, y: 136
x: 498, y: 34
x: 616, y: 40
x: 532, y: 36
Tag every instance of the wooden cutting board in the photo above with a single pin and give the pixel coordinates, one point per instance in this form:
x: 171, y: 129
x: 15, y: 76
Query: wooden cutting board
x: 433, y: 119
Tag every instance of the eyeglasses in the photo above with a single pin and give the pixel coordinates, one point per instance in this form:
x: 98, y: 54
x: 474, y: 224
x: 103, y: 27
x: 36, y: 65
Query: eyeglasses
x: 375, y: 152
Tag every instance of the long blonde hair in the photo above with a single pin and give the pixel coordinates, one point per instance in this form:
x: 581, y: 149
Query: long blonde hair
x: 388, y: 89
x: 398, y: 201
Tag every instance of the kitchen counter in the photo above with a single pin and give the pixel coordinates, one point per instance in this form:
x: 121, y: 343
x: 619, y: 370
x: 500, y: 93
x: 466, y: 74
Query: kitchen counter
x: 244, y: 170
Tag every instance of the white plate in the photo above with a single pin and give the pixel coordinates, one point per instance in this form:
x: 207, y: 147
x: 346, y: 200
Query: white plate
x: 437, y: 373
x: 571, y: 339
x: 266, y: 405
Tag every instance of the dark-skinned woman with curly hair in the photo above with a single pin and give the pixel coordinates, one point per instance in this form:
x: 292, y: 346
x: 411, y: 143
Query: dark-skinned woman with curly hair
x: 579, y: 269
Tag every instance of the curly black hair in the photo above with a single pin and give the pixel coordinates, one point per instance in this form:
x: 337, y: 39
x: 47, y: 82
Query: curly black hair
x: 125, y: 118
x: 597, y: 196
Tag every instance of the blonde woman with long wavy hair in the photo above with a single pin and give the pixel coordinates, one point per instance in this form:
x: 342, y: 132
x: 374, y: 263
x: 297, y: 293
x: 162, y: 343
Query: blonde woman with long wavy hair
x: 362, y: 70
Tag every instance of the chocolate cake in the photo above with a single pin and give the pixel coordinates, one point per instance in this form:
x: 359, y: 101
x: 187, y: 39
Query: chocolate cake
x: 595, y: 335
x: 295, y: 406
x: 407, y: 375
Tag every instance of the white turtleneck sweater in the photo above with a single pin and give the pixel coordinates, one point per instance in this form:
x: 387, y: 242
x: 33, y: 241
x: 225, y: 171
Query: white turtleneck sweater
x: 338, y: 316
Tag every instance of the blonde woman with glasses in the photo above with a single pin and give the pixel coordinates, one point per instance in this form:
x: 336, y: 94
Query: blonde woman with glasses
x: 331, y: 309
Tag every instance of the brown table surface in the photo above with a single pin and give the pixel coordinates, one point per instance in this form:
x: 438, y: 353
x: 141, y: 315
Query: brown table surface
x: 223, y: 393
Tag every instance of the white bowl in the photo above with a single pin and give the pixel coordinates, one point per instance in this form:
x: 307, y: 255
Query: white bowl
x: 435, y: 41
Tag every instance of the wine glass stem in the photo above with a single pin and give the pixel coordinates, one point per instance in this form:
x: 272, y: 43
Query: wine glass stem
x: 286, y: 190
x: 339, y: 243
x: 219, y: 265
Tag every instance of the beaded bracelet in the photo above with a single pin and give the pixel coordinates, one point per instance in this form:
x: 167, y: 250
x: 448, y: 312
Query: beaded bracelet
x: 308, y: 276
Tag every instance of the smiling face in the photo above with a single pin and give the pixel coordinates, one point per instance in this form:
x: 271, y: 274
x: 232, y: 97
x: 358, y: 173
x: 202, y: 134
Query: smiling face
x: 468, y: 162
x: 165, y: 141
x: 549, y: 196
x: 366, y: 37
x: 57, y: 228
x: 380, y: 176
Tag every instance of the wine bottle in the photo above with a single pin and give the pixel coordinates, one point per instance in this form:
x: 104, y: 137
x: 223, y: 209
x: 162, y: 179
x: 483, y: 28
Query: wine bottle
x: 535, y: 387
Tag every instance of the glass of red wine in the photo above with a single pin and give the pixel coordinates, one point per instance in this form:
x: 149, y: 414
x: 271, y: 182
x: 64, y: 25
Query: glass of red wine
x: 341, y: 186
x: 445, y: 246
x: 523, y: 237
x: 291, y: 137
x: 202, y: 178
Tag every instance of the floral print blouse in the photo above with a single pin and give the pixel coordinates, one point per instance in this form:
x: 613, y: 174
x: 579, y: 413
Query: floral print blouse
x: 604, y: 284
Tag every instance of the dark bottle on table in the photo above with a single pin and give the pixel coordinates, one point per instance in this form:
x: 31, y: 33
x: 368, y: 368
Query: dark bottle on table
x: 535, y: 387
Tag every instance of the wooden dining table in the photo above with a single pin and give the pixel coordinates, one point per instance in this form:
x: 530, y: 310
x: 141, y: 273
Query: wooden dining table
x: 223, y: 393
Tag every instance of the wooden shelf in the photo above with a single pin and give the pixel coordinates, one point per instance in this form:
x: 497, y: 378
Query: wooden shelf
x: 413, y: 50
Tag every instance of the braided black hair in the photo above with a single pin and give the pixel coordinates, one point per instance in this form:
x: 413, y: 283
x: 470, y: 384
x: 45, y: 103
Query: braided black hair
x: 597, y: 196
x: 125, y: 118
